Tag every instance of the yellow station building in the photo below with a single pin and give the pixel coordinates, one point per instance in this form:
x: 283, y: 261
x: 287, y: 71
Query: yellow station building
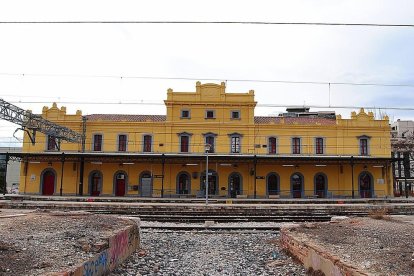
x: 297, y: 154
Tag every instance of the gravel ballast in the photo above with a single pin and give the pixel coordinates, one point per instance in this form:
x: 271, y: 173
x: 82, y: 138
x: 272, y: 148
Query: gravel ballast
x: 382, y: 246
x: 209, y: 252
x: 43, y: 242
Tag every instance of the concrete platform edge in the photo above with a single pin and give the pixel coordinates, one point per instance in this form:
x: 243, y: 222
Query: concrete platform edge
x: 316, y: 258
x: 119, y: 247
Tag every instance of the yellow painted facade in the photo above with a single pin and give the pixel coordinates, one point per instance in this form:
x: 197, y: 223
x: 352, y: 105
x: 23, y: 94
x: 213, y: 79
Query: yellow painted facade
x: 251, y: 155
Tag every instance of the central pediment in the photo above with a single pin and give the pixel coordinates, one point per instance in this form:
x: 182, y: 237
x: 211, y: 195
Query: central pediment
x: 210, y: 90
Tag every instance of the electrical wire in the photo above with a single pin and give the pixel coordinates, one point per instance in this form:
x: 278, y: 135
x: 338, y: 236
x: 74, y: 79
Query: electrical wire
x: 210, y: 79
x: 206, y: 22
x: 258, y: 105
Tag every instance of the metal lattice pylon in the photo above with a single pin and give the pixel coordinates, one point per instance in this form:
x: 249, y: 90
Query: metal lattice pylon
x: 31, y: 123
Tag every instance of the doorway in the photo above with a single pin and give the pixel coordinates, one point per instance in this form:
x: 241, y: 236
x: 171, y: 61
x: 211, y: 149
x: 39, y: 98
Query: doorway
x: 146, y: 184
x: 48, y: 183
x: 235, y: 185
x: 120, y: 184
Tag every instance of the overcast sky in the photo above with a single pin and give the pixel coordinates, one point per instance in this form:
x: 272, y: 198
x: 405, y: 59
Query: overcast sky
x: 59, y: 60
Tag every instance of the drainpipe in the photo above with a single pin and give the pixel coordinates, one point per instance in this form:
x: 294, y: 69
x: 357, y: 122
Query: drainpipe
x: 61, y: 176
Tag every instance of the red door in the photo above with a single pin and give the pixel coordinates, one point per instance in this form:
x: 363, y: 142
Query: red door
x: 120, y: 187
x: 48, y: 183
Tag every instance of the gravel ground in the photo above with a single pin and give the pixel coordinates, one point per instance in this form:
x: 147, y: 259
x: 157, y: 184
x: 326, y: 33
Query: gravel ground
x: 380, y: 246
x: 209, y: 253
x: 42, y: 242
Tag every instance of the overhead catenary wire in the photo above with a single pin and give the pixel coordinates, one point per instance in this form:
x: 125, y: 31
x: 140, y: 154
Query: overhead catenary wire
x: 208, y: 79
x: 258, y: 105
x: 205, y: 23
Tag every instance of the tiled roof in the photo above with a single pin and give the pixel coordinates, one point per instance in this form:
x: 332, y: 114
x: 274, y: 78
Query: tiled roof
x: 294, y: 120
x: 126, y: 118
x: 257, y: 119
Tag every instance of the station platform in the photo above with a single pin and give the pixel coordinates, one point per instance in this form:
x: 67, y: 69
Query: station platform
x: 257, y: 208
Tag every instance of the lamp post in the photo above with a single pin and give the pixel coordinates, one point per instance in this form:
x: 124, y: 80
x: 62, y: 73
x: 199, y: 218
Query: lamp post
x: 207, y: 149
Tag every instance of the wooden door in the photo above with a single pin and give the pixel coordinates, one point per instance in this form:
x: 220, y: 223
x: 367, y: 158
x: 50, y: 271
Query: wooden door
x: 48, y: 183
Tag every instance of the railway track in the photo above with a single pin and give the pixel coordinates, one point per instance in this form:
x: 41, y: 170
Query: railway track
x: 227, y: 218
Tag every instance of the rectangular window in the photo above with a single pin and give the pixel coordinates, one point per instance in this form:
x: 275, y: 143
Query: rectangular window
x: 51, y: 143
x: 296, y: 145
x: 210, y: 141
x: 184, y: 143
x: 272, y: 145
x: 185, y: 113
x: 97, y: 142
x: 147, y: 143
x: 319, y: 145
x: 363, y: 146
x: 235, y: 114
x: 235, y: 144
x: 122, y: 142
x: 210, y: 114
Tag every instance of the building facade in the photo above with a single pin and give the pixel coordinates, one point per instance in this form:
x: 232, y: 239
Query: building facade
x: 9, y: 180
x: 294, y: 155
x: 402, y: 143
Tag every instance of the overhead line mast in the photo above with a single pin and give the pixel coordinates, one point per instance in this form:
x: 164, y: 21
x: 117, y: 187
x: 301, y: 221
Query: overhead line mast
x: 32, y: 123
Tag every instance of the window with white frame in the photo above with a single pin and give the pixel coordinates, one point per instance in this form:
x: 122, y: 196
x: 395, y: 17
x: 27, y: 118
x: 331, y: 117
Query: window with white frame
x: 295, y: 145
x: 210, y: 114
x: 97, y: 142
x: 122, y: 142
x: 52, y: 143
x: 271, y: 145
x: 185, y: 114
x: 147, y: 143
x: 210, y: 139
x: 235, y: 141
x: 184, y: 143
x: 363, y: 146
x: 235, y: 114
x: 319, y: 145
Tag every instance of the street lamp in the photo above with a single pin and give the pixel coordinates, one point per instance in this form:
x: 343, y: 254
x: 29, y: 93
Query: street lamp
x: 207, y: 149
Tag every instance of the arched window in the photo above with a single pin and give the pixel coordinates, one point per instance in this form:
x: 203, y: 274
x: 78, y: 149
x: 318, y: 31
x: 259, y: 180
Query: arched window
x: 296, y: 181
x: 365, y: 185
x: 95, y: 183
x: 235, y: 186
x: 183, y: 183
x: 213, y: 182
x: 272, y: 182
x: 320, y: 185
